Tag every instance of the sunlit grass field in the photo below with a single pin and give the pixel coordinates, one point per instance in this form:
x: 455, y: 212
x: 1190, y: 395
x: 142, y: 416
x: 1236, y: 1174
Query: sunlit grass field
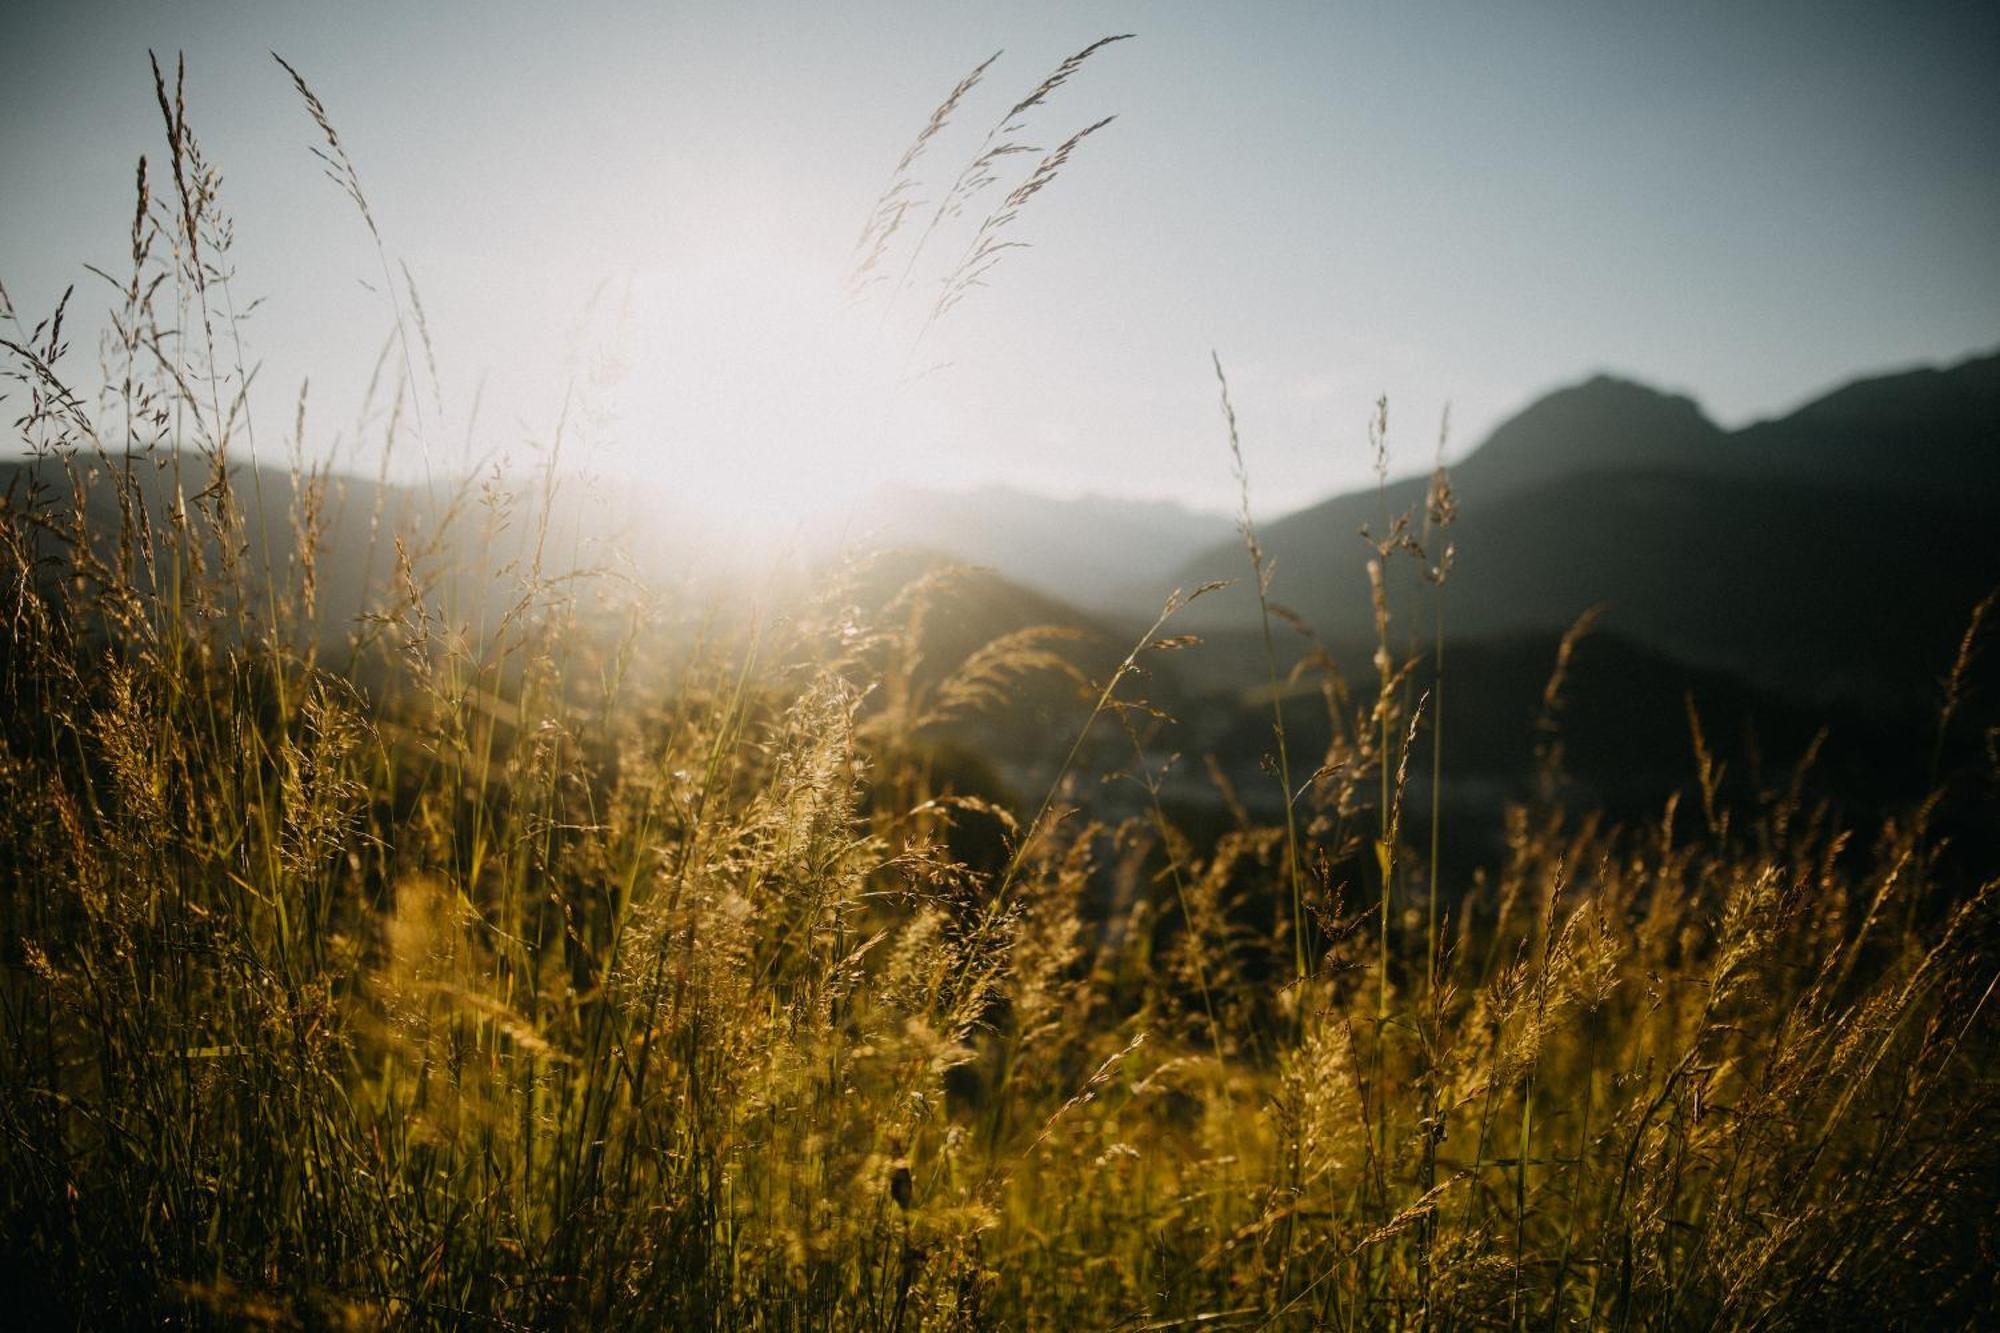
x: 552, y: 948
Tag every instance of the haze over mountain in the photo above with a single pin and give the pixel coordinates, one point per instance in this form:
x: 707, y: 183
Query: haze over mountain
x: 1101, y: 552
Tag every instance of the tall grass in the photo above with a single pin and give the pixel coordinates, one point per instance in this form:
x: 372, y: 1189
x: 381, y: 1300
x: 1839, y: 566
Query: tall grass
x: 547, y: 965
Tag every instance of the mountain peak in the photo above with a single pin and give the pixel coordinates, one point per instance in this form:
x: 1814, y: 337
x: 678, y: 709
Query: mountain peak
x: 1605, y: 421
x: 1626, y: 409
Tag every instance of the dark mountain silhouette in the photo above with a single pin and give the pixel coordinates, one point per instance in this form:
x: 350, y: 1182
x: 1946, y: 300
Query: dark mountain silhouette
x: 1929, y: 432
x: 1834, y: 552
x: 1603, y: 424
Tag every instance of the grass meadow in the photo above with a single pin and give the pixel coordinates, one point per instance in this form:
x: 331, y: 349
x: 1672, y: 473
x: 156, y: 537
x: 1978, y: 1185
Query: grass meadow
x: 544, y: 948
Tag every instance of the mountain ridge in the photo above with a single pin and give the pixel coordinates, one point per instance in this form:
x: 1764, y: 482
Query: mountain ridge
x: 1834, y: 551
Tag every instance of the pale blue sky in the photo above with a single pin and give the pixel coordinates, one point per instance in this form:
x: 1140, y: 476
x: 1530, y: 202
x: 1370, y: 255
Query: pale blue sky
x: 1470, y: 203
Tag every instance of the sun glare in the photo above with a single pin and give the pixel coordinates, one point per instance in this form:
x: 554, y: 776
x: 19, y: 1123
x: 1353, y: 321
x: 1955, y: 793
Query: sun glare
x: 763, y: 398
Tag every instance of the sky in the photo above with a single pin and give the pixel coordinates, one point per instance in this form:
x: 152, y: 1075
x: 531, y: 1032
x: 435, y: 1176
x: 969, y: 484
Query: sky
x: 635, y: 220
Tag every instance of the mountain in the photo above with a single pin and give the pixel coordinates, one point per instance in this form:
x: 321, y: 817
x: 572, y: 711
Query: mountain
x: 469, y: 541
x: 1094, y: 551
x: 129, y: 508
x: 1603, y: 424
x: 1931, y: 432
x: 1833, y: 552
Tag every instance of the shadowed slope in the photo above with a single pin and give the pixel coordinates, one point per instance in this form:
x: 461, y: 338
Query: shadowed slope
x: 1836, y: 551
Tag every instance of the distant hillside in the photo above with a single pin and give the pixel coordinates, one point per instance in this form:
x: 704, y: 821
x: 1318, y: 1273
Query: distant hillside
x: 471, y: 544
x: 356, y: 522
x: 1833, y: 552
x: 1093, y: 551
x: 468, y: 538
x: 1929, y: 432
